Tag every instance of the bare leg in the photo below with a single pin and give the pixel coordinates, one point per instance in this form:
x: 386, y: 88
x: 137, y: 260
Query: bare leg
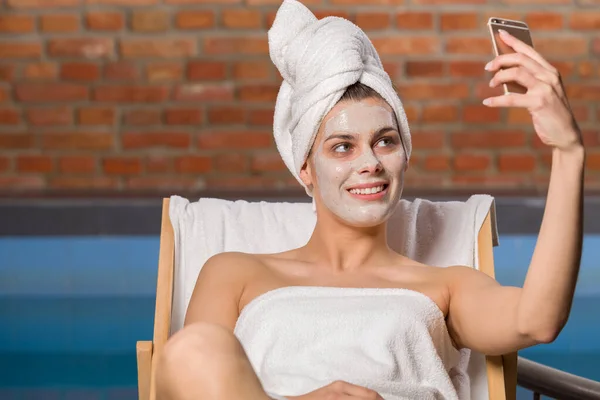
x: 205, y: 361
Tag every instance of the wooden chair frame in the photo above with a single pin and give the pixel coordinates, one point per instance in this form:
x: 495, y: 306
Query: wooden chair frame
x: 501, y: 370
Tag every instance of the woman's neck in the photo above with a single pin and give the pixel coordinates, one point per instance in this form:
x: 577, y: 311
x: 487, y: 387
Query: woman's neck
x: 339, y: 248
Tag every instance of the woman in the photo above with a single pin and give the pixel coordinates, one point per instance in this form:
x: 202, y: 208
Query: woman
x: 355, y: 173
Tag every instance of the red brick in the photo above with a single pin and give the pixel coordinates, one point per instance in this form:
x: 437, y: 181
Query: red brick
x: 89, y: 48
x: 164, y: 71
x: 204, y: 92
x: 3, y: 95
x: 373, y: 20
x: 160, y: 139
x: 423, y: 91
x: 424, y: 69
x: 488, y: 180
x: 104, y: 21
x: 203, y: 1
x: 402, y: 45
x: 395, y: 69
x: 21, y: 183
x: 252, y: 69
x: 34, y: 163
x: 565, y: 68
x: 562, y: 46
x: 121, y: 71
x: 231, y: 162
x: 469, y: 45
x: 458, y: 21
x: 142, y: 117
x: 320, y: 14
x: 77, y: 140
x: 59, y: 23
x: 436, y: 162
x: 16, y: 24
x: 592, y: 161
x: 583, y: 91
x: 9, y: 116
x: 233, y: 139
x: 5, y: 164
x: 124, y: 2
x: 489, y: 139
x: 439, y: 113
x: 150, y: 21
x: 164, y: 48
x: 183, y: 116
x: 158, y: 164
x: 51, y: 92
x: 466, y: 69
x: 241, y: 19
x: 471, y: 162
x: 544, y: 20
x: 427, y: 139
x: 226, y: 115
x: 16, y: 140
x: 542, y: 2
x: 40, y: 71
x: 267, y: 162
x: 50, y: 116
x: 206, y: 70
x: 367, y: 2
x: 79, y: 71
x: 516, y: 162
x: 77, y: 164
x: 83, y: 182
x: 447, y: 2
x: 260, y: 116
x: 585, y: 20
x: 195, y: 19
x: 122, y: 165
x: 96, y: 116
x: 475, y: 113
x: 20, y: 49
x: 190, y: 164
x: 236, y: 45
x: 7, y: 72
x: 264, y: 92
x: 264, y: 2
x: 131, y: 93
x: 587, y: 69
x: 414, y: 20
x: 42, y: 3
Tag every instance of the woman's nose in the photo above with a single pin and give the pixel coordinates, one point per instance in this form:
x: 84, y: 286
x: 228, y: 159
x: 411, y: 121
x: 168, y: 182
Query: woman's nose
x: 370, y: 164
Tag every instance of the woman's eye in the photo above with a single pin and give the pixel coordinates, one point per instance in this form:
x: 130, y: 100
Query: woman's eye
x: 341, y: 148
x: 384, y: 142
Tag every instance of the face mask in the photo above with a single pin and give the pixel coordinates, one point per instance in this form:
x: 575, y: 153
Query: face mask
x: 360, y: 176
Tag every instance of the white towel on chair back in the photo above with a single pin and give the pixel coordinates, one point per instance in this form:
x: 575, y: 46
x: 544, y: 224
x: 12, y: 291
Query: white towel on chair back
x: 435, y: 233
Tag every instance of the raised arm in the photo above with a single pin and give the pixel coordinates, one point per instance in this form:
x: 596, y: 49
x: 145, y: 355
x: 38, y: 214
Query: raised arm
x: 494, y: 319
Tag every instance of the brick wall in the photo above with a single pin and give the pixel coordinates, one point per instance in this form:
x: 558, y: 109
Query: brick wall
x: 179, y: 94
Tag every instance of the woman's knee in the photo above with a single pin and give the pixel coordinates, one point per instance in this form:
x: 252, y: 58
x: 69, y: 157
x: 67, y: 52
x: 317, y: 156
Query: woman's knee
x: 200, y: 342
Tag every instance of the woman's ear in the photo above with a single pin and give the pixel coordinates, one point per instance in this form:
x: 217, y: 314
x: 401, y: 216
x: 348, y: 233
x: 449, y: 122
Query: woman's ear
x: 306, y: 174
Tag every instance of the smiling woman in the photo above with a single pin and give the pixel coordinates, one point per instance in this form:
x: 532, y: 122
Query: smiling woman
x: 357, y: 135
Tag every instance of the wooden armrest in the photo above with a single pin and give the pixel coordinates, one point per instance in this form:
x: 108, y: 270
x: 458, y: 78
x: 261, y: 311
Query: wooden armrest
x: 143, y: 350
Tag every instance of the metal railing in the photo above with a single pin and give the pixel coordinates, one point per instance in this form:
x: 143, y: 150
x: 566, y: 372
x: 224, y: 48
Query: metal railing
x: 551, y: 382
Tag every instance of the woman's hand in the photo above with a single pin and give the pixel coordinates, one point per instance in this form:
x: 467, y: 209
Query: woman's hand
x: 545, y: 98
x: 339, y: 390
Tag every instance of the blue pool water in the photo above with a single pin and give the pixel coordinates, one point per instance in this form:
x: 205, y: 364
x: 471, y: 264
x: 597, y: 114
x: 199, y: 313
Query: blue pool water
x: 72, y: 308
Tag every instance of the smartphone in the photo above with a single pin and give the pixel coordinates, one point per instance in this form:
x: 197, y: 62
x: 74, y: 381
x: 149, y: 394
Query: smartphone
x: 520, y: 30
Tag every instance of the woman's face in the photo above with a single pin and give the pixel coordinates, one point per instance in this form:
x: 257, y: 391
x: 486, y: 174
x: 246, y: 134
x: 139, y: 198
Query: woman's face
x: 357, y: 163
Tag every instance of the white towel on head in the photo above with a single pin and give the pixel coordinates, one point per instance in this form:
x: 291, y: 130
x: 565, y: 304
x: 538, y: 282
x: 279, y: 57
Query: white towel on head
x: 318, y: 60
x: 435, y: 233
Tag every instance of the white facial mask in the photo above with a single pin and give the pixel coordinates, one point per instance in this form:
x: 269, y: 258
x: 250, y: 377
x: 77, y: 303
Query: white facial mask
x: 366, y: 163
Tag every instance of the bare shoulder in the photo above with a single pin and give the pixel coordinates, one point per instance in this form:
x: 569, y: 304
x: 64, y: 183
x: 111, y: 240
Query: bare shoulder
x: 219, y: 287
x: 459, y: 276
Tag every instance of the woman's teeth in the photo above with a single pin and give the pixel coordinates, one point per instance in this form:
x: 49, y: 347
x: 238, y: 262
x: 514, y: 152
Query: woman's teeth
x: 372, y: 190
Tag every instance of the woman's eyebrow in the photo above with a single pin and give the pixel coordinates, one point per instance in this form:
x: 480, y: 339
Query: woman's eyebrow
x: 343, y: 136
x: 382, y: 131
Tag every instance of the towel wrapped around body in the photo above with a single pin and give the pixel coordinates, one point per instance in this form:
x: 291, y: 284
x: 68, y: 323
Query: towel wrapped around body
x: 394, y: 341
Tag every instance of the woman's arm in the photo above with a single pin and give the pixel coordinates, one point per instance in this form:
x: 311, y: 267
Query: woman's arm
x: 494, y: 319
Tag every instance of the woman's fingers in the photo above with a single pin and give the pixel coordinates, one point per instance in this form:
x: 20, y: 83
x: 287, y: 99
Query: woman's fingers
x: 522, y: 47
